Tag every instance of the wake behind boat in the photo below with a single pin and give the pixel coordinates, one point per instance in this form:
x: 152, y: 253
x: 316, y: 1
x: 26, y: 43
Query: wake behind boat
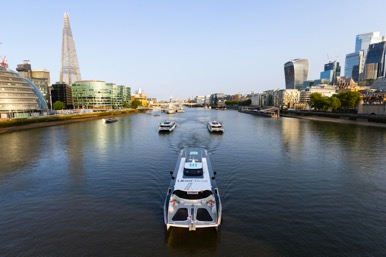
x: 193, y: 200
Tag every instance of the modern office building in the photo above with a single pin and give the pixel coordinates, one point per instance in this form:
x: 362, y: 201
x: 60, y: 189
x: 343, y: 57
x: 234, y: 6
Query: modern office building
x: 125, y: 93
x: 375, y: 61
x: 92, y: 94
x: 330, y: 73
x: 120, y: 95
x: 69, y: 69
x: 19, y: 97
x: 362, y: 43
x: 295, y: 72
x: 63, y: 93
x: 97, y: 94
x: 352, y: 65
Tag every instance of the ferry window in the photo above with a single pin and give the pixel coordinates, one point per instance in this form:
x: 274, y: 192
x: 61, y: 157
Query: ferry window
x: 203, y: 215
x: 199, y: 195
x: 181, y: 215
x: 193, y: 172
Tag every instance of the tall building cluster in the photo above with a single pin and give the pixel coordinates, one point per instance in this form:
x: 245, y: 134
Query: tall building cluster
x: 367, y: 62
x: 364, y: 71
x: 29, y: 91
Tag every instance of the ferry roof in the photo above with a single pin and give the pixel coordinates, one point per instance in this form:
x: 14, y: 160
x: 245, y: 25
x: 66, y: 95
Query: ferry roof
x: 193, y: 184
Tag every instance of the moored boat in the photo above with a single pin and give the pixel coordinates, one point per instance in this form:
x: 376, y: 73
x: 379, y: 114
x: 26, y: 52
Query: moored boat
x: 180, y: 109
x: 270, y: 112
x: 192, y: 199
x: 111, y: 120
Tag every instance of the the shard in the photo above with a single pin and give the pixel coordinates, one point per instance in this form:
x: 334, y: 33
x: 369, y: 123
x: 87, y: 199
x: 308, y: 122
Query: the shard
x: 69, y: 69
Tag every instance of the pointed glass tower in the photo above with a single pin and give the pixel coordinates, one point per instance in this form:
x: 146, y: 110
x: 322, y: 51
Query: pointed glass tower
x: 69, y: 69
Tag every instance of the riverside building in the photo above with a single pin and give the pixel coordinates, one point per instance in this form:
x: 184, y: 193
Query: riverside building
x: 19, y: 97
x: 39, y: 77
x: 63, y: 93
x: 97, y: 94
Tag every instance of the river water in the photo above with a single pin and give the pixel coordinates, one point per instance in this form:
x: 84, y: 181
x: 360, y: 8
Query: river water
x: 289, y: 187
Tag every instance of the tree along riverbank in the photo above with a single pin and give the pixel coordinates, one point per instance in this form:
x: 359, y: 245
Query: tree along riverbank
x: 10, y: 125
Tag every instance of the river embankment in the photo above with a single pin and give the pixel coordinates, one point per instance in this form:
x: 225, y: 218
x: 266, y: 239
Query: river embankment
x: 11, y: 125
x: 347, y: 118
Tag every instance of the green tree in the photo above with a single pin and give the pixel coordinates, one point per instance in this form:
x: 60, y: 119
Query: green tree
x: 317, y: 101
x: 334, y: 103
x: 349, y: 99
x: 135, y: 104
x: 246, y: 102
x: 126, y: 104
x: 238, y: 102
x: 326, y: 103
x: 58, y: 105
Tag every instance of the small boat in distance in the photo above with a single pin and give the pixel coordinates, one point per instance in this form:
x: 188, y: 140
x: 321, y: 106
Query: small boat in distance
x: 171, y: 109
x: 192, y: 199
x: 215, y: 126
x: 180, y: 108
x: 111, y: 120
x: 167, y: 126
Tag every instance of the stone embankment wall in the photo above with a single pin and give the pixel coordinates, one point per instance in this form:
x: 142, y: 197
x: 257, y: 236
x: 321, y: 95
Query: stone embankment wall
x: 373, y: 109
x: 343, y: 116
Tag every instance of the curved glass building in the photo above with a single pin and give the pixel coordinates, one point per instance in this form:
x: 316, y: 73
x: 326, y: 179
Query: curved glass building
x: 19, y: 97
x: 92, y: 94
x: 295, y: 72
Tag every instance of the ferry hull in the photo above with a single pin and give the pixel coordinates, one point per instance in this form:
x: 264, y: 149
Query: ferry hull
x: 193, y: 200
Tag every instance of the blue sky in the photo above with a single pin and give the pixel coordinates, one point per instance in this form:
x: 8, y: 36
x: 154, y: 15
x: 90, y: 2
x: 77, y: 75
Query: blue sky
x: 185, y: 48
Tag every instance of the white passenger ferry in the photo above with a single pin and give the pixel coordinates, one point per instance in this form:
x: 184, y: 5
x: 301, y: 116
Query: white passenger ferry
x: 215, y: 126
x: 193, y: 200
x: 167, y: 126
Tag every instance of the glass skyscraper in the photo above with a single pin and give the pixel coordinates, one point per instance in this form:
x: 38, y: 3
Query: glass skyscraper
x: 295, y: 72
x: 375, y: 61
x: 356, y: 61
x: 352, y: 65
x: 69, y: 69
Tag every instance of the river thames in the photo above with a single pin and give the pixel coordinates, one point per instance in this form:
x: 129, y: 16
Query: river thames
x: 289, y: 187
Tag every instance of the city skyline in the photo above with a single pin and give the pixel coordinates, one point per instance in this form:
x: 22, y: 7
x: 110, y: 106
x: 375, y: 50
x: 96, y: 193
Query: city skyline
x: 181, y: 50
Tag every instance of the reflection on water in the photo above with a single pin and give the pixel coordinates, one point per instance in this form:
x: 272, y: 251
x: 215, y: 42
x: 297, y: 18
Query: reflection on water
x: 289, y: 187
x: 185, y: 242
